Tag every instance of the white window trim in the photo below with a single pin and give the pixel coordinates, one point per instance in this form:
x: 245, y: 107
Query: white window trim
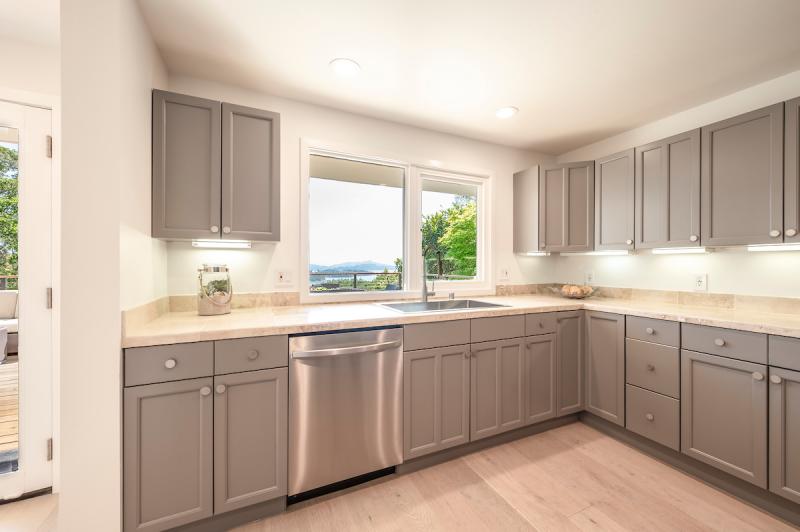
x: 412, y: 258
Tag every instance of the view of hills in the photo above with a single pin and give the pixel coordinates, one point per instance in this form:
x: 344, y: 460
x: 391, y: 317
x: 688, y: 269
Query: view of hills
x: 365, y: 266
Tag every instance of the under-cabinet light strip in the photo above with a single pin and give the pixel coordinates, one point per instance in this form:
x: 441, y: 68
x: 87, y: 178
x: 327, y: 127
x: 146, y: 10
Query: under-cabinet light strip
x: 774, y: 247
x: 677, y: 251
x: 222, y: 244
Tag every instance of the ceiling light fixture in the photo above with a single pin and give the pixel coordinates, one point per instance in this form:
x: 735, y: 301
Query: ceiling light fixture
x: 222, y: 244
x: 345, y: 67
x: 677, y: 251
x: 774, y: 247
x: 506, y: 112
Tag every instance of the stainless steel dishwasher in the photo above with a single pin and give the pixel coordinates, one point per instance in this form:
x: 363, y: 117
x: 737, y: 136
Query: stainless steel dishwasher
x: 345, y: 406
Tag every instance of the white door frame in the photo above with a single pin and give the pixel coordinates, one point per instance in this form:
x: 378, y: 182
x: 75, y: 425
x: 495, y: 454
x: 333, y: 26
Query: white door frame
x: 36, y: 325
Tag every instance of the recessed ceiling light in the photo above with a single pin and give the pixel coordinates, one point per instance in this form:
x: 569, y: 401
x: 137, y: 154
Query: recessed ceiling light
x: 506, y: 112
x: 345, y: 67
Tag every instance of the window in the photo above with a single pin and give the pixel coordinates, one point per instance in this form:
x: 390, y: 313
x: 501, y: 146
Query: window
x: 355, y: 226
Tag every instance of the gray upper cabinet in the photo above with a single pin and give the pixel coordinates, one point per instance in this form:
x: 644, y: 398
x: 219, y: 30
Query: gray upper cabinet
x: 540, y: 378
x: 605, y: 366
x: 791, y: 210
x: 614, y: 201
x: 250, y: 174
x: 566, y: 207
x: 668, y: 192
x: 250, y: 438
x: 784, y: 433
x: 435, y: 399
x: 724, y: 414
x: 497, y: 387
x: 216, y: 170
x: 526, y: 211
x: 569, y: 362
x: 742, y: 179
x: 167, y: 452
x: 186, y: 167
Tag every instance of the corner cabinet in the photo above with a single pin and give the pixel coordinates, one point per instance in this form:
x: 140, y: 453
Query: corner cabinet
x: 614, y: 201
x: 742, y: 179
x: 569, y: 362
x: 791, y: 187
x: 566, y: 207
x: 216, y: 170
x: 605, y: 365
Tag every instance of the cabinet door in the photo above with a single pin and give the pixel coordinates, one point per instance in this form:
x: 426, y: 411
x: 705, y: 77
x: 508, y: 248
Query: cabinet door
x: 724, y: 414
x: 668, y: 192
x: 250, y: 434
x: 250, y: 174
x: 605, y: 366
x: 168, y: 438
x: 784, y: 433
x: 526, y: 210
x: 186, y: 166
x: 496, y: 391
x: 791, y: 212
x: 566, y: 207
x: 614, y: 201
x: 540, y: 378
x: 569, y: 362
x: 435, y: 399
x: 742, y: 179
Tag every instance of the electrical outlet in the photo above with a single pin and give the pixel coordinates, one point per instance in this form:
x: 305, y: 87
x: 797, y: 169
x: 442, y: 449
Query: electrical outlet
x: 503, y: 275
x: 588, y: 278
x: 284, y: 278
x: 701, y: 282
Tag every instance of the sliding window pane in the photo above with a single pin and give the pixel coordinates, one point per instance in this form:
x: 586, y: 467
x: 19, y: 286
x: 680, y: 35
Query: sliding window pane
x: 450, y: 229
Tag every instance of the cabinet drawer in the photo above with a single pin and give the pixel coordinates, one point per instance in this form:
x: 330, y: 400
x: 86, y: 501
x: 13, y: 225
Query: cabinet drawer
x: 653, y: 330
x: 163, y: 363
x: 653, y: 416
x: 741, y: 345
x: 653, y: 367
x: 438, y: 334
x: 499, y: 328
x: 784, y: 352
x: 544, y: 323
x: 246, y: 354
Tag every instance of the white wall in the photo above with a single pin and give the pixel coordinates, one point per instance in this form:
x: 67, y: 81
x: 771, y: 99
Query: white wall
x: 30, y: 68
x: 733, y: 271
x: 109, y: 65
x: 255, y: 270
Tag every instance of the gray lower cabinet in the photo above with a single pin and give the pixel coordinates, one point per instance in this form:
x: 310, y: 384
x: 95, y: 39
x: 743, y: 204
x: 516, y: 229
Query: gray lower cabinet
x: 791, y: 186
x: 540, y: 378
x: 742, y: 179
x: 668, y: 192
x: 167, y: 464
x: 496, y: 387
x: 605, y: 365
x: 724, y: 414
x: 784, y: 433
x: 250, y: 438
x: 569, y: 362
x: 614, y: 201
x: 436, y: 389
x: 566, y: 207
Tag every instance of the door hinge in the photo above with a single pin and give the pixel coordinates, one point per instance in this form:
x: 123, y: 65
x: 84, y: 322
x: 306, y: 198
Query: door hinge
x: 49, y: 297
x: 50, y: 146
x: 50, y: 449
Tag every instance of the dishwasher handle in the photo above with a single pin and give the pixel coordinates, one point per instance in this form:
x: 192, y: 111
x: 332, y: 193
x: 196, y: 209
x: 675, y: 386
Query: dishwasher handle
x: 339, y: 351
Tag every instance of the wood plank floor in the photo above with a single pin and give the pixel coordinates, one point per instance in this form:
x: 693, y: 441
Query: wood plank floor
x: 9, y: 405
x: 570, y: 478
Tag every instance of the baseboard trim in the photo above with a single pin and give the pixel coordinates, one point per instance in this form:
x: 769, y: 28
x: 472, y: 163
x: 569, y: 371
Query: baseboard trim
x: 744, y: 491
x: 456, y: 452
x: 236, y: 518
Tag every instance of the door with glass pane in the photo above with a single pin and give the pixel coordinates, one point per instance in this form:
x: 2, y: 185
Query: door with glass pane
x: 25, y: 317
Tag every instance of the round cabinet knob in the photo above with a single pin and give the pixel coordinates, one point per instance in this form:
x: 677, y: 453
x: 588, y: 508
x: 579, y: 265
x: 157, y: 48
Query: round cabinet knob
x: 205, y: 390
x: 649, y: 417
x: 650, y: 330
x: 220, y: 388
x: 693, y: 238
x: 791, y: 232
x: 226, y: 230
x: 214, y: 229
x: 775, y: 379
x: 651, y: 367
x: 719, y: 342
x: 170, y: 363
x: 541, y: 325
x: 758, y: 376
x: 252, y: 355
x: 629, y: 242
x: 774, y: 233
x: 542, y: 246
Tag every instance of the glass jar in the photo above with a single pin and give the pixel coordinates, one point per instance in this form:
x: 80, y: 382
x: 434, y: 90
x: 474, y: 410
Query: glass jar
x: 215, y: 293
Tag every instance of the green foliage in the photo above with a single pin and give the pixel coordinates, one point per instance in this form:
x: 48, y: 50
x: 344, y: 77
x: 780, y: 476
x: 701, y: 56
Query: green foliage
x: 433, y: 228
x: 9, y: 212
x: 449, y: 239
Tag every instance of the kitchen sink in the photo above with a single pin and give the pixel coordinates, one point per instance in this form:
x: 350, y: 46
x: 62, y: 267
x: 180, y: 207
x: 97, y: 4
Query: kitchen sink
x: 439, y: 306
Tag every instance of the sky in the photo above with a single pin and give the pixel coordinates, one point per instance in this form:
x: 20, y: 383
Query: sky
x: 351, y: 222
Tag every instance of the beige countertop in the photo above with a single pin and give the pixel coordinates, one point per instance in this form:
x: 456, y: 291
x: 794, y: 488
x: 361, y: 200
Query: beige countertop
x: 180, y: 327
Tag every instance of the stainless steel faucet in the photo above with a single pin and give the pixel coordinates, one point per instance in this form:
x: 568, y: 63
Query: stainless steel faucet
x: 425, y: 292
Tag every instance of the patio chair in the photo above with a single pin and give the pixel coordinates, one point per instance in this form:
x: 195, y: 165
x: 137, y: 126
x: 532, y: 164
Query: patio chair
x: 9, y: 318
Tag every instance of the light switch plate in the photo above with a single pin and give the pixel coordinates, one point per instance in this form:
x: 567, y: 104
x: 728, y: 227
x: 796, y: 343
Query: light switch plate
x: 283, y: 278
x: 502, y: 274
x: 701, y: 282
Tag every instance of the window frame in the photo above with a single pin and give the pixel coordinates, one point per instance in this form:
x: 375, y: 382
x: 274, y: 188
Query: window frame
x: 412, y: 223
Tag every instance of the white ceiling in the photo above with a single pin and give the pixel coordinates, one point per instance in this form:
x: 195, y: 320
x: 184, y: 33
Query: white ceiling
x: 579, y: 70
x: 30, y: 21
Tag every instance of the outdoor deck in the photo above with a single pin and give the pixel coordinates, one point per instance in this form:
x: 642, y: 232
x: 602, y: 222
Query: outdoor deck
x: 9, y: 408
